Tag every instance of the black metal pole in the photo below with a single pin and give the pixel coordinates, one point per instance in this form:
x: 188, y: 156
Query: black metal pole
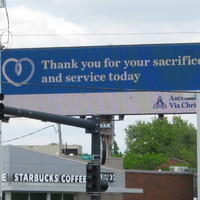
x: 95, y: 196
x: 96, y: 151
x: 77, y: 122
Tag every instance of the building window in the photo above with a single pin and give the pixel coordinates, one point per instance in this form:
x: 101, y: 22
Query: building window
x: 38, y: 196
x: 19, y: 196
x: 68, y: 197
x: 56, y: 196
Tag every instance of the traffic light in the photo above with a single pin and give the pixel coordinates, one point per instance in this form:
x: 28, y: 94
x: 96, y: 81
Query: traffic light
x: 2, y: 117
x: 94, y: 183
x: 93, y: 177
x: 1, y: 97
x: 1, y: 111
x: 104, y: 185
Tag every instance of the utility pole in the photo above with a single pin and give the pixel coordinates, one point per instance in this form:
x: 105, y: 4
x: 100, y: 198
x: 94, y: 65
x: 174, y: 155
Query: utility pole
x: 60, y: 139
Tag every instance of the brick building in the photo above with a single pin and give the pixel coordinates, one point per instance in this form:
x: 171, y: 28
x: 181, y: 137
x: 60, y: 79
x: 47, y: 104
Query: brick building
x: 160, y: 185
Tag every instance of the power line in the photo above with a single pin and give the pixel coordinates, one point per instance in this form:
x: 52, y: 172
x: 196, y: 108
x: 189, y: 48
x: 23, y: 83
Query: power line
x: 97, y: 88
x: 102, y: 34
x: 6, y: 32
x: 64, y: 86
x: 17, y: 138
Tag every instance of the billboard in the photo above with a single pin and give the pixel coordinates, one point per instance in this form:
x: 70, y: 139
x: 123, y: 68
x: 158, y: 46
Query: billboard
x: 101, y: 80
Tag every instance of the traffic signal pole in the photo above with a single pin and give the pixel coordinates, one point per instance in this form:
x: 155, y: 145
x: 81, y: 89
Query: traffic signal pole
x: 96, y: 151
x: 91, y: 126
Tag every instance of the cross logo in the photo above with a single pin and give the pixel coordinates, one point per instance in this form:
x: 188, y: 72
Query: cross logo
x: 160, y: 103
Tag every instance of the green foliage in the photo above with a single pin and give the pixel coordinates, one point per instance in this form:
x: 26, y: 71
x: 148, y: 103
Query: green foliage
x: 115, y: 150
x: 150, y: 144
x: 53, y: 144
x: 148, y: 161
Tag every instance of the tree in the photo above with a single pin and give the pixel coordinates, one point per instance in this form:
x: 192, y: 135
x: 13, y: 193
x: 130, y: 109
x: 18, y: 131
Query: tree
x: 148, y: 161
x: 184, y: 144
x: 151, y: 144
x: 115, y: 150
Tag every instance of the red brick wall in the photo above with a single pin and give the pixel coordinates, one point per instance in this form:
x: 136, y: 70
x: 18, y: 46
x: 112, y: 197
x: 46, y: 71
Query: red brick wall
x: 171, y: 162
x: 160, y: 185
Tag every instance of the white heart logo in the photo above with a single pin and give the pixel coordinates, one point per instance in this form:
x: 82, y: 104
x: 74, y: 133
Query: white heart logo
x: 18, y: 70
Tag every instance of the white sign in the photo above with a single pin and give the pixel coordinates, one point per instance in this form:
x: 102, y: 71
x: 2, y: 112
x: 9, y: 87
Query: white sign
x: 106, y: 125
x: 52, y: 178
x: 109, y: 176
x: 107, y: 103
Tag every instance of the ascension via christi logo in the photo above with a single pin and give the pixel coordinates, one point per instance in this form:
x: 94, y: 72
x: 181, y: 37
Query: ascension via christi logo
x: 160, y: 103
x: 16, y: 67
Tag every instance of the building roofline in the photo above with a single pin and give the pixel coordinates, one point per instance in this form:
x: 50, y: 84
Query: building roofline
x: 157, y: 172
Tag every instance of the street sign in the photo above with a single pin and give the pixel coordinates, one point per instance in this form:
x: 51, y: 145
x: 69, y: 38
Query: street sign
x: 109, y: 176
x: 106, y: 125
x: 87, y: 157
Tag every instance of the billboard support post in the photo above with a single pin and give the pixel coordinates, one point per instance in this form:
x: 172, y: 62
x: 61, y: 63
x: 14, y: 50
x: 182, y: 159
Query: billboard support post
x: 0, y: 138
x: 198, y: 144
x: 1, y: 160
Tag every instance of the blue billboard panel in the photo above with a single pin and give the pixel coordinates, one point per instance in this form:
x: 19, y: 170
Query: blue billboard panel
x: 104, y: 69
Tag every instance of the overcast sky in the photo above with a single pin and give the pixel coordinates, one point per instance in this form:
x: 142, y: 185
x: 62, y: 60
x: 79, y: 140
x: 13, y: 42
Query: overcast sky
x: 134, y: 18
x: 63, y: 23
